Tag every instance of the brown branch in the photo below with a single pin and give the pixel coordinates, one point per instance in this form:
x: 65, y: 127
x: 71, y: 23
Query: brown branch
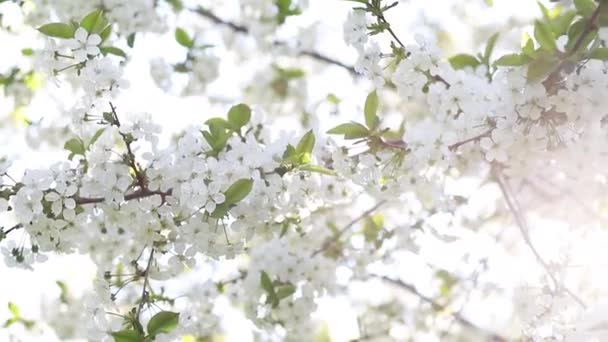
x: 442, y: 308
x: 554, y: 77
x: 522, y: 224
x: 130, y: 157
x: 13, y: 228
x: 342, y: 231
x: 143, y: 291
x: 244, y: 30
x: 485, y: 134
x: 134, y: 195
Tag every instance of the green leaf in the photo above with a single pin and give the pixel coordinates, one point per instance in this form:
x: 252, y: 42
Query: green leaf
x: 105, y: 33
x: 57, y: 30
x: 63, y: 297
x: 371, y: 108
x: 221, y: 210
x: 290, y: 151
x: 183, y: 38
x: 266, y: 282
x: 514, y: 59
x: 96, y: 136
x: 560, y: 24
x: 541, y: 68
x: 127, y: 336
x: 239, y: 116
x: 163, y: 322
x: 131, y: 40
x: 307, y: 143
x: 585, y: 7
x: 14, y: 309
x: 285, y: 291
x: 94, y: 22
x: 350, y: 130
x: 490, y: 47
x: 113, y: 51
x: 75, y: 146
x: 27, y: 52
x: 544, y: 36
x: 285, y: 9
x: 217, y: 124
x: 176, y: 4
x: 600, y: 53
x: 238, y: 190
x: 462, y: 61
x: 528, y: 46
x: 318, y: 169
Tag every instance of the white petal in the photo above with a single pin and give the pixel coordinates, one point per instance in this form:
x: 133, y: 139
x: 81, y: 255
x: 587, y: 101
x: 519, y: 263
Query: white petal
x: 81, y: 35
x: 94, y: 39
x: 93, y: 50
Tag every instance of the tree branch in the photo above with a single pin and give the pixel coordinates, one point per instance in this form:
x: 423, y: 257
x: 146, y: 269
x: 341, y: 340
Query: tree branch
x: 143, y: 291
x: 244, y: 30
x: 524, y: 230
x: 342, y: 231
x: 439, y: 307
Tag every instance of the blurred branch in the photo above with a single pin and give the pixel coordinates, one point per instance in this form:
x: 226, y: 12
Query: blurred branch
x: 442, y: 308
x: 329, y: 242
x: 244, y: 30
x: 522, y: 224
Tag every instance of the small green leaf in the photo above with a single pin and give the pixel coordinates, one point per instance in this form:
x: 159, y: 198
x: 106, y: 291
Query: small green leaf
x: 350, y: 130
x: 490, y: 47
x: 127, y: 336
x: 105, y: 33
x: 371, y: 108
x: 27, y: 52
x: 307, y: 143
x: 290, y: 151
x: 318, y: 169
x: 176, y: 4
x: 221, y: 210
x: 239, y: 116
x: 560, y: 24
x: 599, y: 53
x: 96, y: 136
x: 585, y: 7
x: 63, y: 297
x: 285, y: 291
x: 238, y: 190
x: 131, y: 40
x: 217, y: 124
x: 544, y: 36
x: 183, y: 38
x: 14, y: 309
x: 163, y: 322
x: 462, y: 61
x: 528, y: 47
x: 266, y: 283
x: 75, y: 146
x: 113, y: 51
x: 541, y: 68
x: 57, y: 30
x: 514, y: 59
x: 94, y: 22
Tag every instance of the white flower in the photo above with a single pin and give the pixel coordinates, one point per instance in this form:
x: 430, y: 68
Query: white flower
x: 355, y: 29
x: 84, y: 45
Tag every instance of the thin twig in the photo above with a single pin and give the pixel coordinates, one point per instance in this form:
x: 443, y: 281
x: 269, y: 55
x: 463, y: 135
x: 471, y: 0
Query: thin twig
x: 342, y: 231
x: 522, y: 224
x: 244, y: 30
x: 442, y: 308
x: 485, y: 134
x: 143, y: 290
